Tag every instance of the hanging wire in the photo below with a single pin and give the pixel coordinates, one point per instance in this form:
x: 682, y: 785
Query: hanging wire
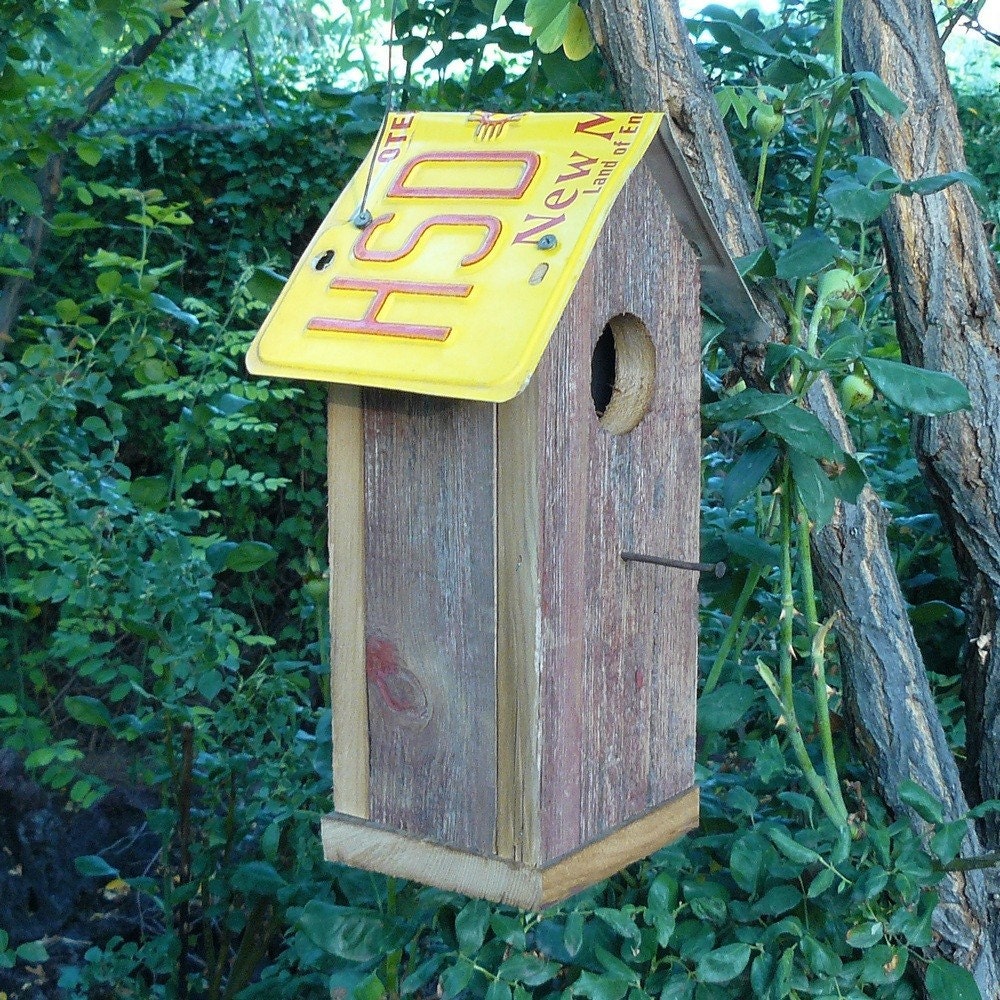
x: 362, y: 217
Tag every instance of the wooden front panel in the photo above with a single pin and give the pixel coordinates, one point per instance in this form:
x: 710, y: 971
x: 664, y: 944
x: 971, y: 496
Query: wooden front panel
x: 619, y: 640
x: 430, y: 616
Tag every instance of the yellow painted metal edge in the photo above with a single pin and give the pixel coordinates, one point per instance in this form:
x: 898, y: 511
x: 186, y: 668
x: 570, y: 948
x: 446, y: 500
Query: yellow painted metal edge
x: 548, y: 318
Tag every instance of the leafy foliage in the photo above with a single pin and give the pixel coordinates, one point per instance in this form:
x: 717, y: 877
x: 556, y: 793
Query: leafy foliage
x: 162, y: 584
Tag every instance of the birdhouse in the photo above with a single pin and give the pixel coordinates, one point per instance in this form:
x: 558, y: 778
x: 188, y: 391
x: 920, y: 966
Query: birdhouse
x: 506, y: 308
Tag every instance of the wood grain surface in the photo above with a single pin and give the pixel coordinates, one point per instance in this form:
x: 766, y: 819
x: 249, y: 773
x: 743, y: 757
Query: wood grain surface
x: 346, y: 514
x: 431, y: 616
x: 618, y: 641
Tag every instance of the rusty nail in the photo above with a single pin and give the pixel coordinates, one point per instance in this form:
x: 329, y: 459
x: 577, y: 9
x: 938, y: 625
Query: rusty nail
x: 718, y: 568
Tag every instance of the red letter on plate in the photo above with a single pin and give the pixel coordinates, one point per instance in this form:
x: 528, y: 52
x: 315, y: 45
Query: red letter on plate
x: 370, y: 323
x: 528, y: 159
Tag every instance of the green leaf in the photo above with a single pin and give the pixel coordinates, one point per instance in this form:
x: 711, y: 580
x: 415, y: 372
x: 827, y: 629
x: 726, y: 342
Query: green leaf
x: 732, y: 33
x: 778, y: 356
x: 878, y: 95
x: 947, y: 839
x: 599, y: 987
x: 421, y: 975
x: 352, y: 933
x: 471, y: 924
x: 749, y: 546
x: 619, y: 921
x: 21, y: 190
x: 90, y: 152
x: 370, y: 988
x: 721, y: 709
x: 853, y: 201
x: 499, y: 990
x: 925, y: 805
x: 500, y: 9
x: 548, y: 20
x: 849, y: 483
x: 777, y: 900
x: 947, y: 981
x: 938, y: 182
x: 265, y: 284
x: 976, y: 812
x: 615, y: 966
x: 821, y: 883
x: 723, y: 964
x: 89, y: 711
x: 455, y: 978
x: 169, y: 308
x: 8, y: 704
x: 748, y: 403
x: 150, y: 492
x: 867, y: 934
x: 528, y: 969
x: 32, y: 951
x: 803, y: 431
x: 809, y: 253
x: 573, y: 934
x: 240, y: 558
x: 847, y: 347
x: 815, y: 489
x: 747, y: 473
x: 94, y: 866
x: 917, y: 389
x: 258, y: 878
x: 549, y: 38
x: 747, y: 861
x: 791, y: 848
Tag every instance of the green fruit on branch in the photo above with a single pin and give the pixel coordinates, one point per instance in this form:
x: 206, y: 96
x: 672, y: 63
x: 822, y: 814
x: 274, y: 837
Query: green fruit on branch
x: 856, y: 392
x: 767, y: 122
x: 837, y: 289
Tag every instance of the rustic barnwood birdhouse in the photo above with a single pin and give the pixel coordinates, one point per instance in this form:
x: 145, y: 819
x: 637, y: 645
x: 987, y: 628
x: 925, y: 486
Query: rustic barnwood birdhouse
x: 506, y: 308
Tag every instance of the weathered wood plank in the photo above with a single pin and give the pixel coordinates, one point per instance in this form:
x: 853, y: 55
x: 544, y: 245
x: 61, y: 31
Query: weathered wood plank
x: 600, y: 859
x: 346, y: 513
x: 518, y: 620
x: 619, y: 640
x: 365, y: 845
x: 431, y: 616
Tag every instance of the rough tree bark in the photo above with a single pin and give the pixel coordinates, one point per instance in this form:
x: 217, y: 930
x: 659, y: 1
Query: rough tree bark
x: 946, y: 292
x: 895, y: 721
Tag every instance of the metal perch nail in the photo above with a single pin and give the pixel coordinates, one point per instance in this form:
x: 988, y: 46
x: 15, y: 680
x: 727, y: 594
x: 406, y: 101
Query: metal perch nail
x: 718, y: 568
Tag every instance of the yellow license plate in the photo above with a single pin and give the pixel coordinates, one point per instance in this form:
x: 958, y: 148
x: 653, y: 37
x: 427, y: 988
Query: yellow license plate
x: 480, y: 226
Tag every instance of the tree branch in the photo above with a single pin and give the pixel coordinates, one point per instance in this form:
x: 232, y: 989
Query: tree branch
x: 49, y: 177
x: 656, y: 66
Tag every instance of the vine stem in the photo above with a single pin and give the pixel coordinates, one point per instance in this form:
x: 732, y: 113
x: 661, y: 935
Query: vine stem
x: 735, y: 622
x: 838, y: 36
x: 826, y: 796
x: 761, y: 169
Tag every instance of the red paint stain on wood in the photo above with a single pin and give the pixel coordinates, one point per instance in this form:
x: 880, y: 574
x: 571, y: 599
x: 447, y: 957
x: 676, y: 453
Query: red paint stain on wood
x: 399, y: 687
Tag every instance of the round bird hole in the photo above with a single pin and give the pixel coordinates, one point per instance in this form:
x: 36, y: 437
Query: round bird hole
x: 622, y: 374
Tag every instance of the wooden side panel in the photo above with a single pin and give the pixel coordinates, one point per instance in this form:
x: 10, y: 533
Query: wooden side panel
x: 619, y: 640
x: 365, y: 845
x: 517, y: 633
x: 430, y: 627
x: 348, y: 687
x: 636, y: 840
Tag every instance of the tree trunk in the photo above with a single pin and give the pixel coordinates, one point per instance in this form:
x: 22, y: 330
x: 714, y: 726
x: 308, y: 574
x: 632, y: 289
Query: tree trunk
x: 946, y: 291
x: 896, y: 725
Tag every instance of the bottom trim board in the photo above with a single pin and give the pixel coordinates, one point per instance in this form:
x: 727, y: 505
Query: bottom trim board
x: 362, y: 844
